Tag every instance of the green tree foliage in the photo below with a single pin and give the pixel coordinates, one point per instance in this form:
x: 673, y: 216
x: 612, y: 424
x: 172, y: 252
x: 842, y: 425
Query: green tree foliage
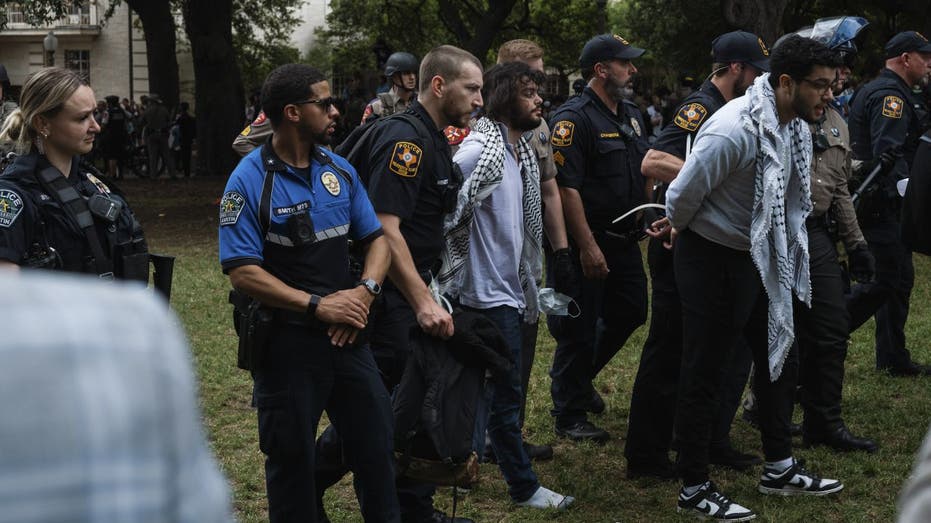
x: 358, y: 27
x: 261, y: 34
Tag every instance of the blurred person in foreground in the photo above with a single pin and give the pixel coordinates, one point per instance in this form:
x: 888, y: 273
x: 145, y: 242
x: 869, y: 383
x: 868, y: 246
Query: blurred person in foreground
x: 100, y: 415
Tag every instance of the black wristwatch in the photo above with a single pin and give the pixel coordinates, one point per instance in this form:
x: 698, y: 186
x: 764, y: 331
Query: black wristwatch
x: 370, y: 285
x: 312, y: 307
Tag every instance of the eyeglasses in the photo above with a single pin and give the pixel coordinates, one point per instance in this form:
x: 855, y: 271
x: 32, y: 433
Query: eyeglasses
x: 324, y: 103
x: 822, y: 86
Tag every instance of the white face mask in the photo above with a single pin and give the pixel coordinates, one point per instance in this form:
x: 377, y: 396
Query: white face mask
x: 557, y: 304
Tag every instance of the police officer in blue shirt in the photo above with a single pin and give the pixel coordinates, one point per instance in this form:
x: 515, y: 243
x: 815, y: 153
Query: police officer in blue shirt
x: 886, y: 123
x: 286, y: 215
x: 739, y: 57
x: 598, y: 143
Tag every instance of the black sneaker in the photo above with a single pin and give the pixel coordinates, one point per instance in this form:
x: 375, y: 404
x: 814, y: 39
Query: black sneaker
x: 583, y: 431
x: 709, y: 503
x: 662, y: 470
x: 596, y: 404
x: 795, y: 480
x: 538, y: 452
x: 732, y: 458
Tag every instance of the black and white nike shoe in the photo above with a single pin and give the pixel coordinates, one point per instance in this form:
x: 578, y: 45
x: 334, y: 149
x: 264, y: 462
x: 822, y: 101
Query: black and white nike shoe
x: 709, y: 503
x: 796, y: 481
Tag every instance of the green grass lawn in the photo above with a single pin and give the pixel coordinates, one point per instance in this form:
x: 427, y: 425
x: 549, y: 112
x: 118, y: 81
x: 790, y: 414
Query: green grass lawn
x: 181, y: 219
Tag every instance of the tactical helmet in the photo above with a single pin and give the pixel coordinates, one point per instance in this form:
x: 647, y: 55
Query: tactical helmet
x: 838, y: 33
x: 401, y: 62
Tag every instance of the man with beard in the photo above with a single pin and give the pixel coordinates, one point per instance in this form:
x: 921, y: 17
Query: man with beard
x: 740, y: 202
x: 739, y: 57
x: 823, y: 329
x: 407, y: 166
x: 498, y: 219
x: 401, y: 72
x: 887, y: 120
x: 286, y: 213
x: 598, y: 144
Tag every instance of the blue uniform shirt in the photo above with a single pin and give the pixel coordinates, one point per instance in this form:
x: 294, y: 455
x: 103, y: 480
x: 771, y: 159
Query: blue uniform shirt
x: 309, y: 255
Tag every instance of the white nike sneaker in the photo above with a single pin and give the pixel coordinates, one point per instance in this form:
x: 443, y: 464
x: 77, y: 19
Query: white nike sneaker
x: 709, y: 503
x: 796, y: 481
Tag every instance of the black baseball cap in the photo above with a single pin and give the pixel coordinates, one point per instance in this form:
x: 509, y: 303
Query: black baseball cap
x: 907, y: 41
x: 607, y: 47
x: 741, y: 46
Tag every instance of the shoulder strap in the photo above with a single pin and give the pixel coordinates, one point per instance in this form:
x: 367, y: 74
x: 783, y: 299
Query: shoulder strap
x: 76, y: 207
x: 265, y: 203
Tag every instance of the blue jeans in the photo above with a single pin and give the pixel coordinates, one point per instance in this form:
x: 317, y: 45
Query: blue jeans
x: 503, y: 400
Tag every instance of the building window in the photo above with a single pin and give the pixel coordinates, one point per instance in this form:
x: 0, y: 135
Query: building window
x: 79, y: 61
x: 78, y: 14
x: 14, y: 13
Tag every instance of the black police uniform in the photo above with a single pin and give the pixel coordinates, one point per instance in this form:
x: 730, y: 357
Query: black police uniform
x: 310, y: 214
x: 885, y: 116
x: 598, y: 154
x: 653, y: 398
x: 406, y: 163
x: 41, y: 218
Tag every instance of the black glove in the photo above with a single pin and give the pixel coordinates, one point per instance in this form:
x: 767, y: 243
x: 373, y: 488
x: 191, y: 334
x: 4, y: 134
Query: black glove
x: 889, y: 157
x: 862, y: 264
x: 565, y: 278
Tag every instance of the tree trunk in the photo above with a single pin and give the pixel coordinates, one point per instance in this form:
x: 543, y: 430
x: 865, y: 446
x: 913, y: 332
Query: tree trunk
x: 217, y: 84
x: 158, y: 25
x: 760, y: 17
x: 492, y: 20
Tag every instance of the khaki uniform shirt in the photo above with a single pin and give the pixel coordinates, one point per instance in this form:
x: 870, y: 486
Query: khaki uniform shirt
x: 830, y: 172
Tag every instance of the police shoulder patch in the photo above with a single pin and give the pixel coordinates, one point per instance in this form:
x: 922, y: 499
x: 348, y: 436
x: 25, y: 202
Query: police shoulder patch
x: 405, y: 159
x: 231, y: 206
x: 691, y: 116
x: 561, y: 136
x: 11, y: 206
x: 455, y: 135
x: 636, y: 125
x: 893, y: 106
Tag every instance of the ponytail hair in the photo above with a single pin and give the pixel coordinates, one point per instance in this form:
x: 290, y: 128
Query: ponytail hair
x: 44, y: 94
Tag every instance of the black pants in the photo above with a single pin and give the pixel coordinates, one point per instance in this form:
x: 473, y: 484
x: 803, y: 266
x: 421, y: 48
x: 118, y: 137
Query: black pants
x: 887, y: 298
x: 390, y: 329
x: 653, y: 398
x: 301, y: 376
x: 723, y: 300
x: 611, y: 309
x: 822, y: 333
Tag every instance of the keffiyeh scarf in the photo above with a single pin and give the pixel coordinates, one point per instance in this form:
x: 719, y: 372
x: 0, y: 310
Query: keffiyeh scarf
x: 486, y: 176
x: 781, y: 203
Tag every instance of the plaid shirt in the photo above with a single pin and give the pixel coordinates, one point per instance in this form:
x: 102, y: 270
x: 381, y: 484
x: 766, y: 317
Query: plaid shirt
x: 99, y: 419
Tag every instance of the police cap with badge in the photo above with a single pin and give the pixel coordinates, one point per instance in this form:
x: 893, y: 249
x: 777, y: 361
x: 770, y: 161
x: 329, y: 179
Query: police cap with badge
x: 607, y: 47
x: 742, y: 47
x: 906, y: 42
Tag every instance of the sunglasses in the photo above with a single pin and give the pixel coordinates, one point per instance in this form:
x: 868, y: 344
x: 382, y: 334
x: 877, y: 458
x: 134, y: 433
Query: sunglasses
x: 324, y: 103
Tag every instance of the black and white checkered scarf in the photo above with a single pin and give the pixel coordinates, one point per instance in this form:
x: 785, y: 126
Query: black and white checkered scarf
x: 781, y: 203
x: 486, y: 176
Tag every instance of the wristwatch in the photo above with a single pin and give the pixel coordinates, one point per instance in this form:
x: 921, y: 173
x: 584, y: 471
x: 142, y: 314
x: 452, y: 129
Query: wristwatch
x: 370, y: 285
x: 312, y: 307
